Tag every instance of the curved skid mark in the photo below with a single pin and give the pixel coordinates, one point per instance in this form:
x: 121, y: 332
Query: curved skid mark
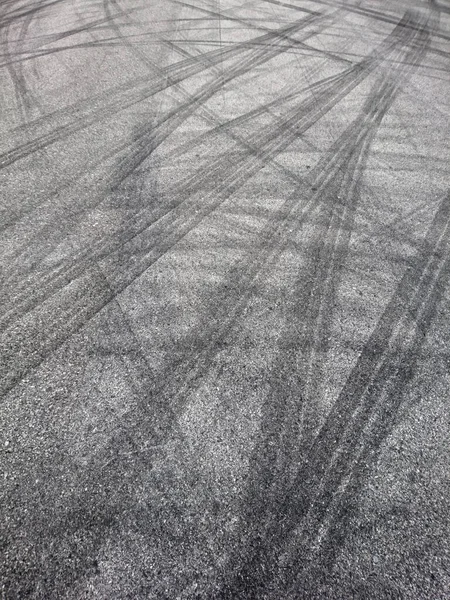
x: 126, y: 96
x: 75, y: 306
x: 270, y: 492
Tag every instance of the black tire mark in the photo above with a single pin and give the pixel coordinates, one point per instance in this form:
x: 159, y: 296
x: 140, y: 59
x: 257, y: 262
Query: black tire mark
x: 270, y: 491
x: 209, y: 115
x: 101, y: 249
x: 337, y: 463
x: 219, y: 126
x: 342, y: 211
x: 30, y: 55
x: 339, y: 218
x: 107, y: 7
x: 220, y: 179
x: 381, y: 16
x: 154, y: 136
x: 368, y: 405
x: 126, y: 96
x: 191, y: 103
x: 37, y: 52
x: 259, y: 253
x: 336, y: 87
x: 50, y: 229
x: 258, y: 140
x: 178, y: 116
x: 9, y: 18
x: 24, y: 98
x: 99, y: 512
x: 217, y: 15
x: 78, y: 294
x: 224, y: 127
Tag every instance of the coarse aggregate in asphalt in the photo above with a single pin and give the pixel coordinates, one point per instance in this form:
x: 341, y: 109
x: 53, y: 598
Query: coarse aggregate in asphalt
x: 225, y: 299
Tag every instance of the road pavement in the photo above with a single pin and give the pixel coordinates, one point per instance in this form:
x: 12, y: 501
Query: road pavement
x: 225, y: 299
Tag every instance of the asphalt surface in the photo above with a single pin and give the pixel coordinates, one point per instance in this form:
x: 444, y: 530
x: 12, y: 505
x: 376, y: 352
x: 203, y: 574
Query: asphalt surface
x: 225, y: 299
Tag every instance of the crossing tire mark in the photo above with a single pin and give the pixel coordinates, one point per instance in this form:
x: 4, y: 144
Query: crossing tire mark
x: 24, y: 98
x: 125, y: 96
x: 336, y: 464
x: 149, y: 139
x: 220, y: 179
x: 276, y: 455
x: 176, y: 115
x: 367, y: 406
x: 108, y: 6
x: 250, y: 148
x: 339, y: 217
x: 102, y: 514
x: 14, y: 15
x: 307, y: 113
x: 77, y: 294
x: 205, y: 113
x: 263, y: 252
x: 148, y: 222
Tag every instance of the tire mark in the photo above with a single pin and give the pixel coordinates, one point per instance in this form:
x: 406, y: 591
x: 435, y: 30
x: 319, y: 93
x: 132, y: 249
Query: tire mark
x: 305, y: 528
x: 339, y: 219
x: 68, y: 281
x: 176, y: 114
x: 30, y: 55
x: 25, y: 100
x: 12, y: 16
x: 77, y: 292
x: 337, y: 464
x: 205, y: 114
x: 124, y: 97
x: 100, y: 297
x: 219, y: 181
x: 107, y: 4
x: 221, y: 80
x: 248, y: 23
x: 101, y: 249
x: 271, y: 496
x: 102, y: 512
x: 208, y: 168
x: 50, y: 232
x: 154, y: 136
x: 50, y: 229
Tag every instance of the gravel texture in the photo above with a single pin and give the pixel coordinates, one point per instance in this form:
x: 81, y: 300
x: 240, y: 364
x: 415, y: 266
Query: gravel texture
x: 225, y: 299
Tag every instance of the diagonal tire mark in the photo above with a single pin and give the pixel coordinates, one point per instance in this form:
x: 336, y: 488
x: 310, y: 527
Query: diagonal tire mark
x: 26, y: 343
x: 270, y: 492
x: 124, y: 97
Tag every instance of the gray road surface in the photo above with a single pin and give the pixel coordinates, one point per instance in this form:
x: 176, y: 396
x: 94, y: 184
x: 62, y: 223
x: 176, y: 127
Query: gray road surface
x: 225, y: 299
